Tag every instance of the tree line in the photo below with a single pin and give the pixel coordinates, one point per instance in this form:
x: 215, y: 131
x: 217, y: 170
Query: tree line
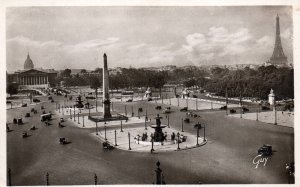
x: 246, y: 82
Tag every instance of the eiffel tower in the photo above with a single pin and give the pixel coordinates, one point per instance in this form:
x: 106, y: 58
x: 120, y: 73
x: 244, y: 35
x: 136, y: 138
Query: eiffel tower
x: 278, y: 57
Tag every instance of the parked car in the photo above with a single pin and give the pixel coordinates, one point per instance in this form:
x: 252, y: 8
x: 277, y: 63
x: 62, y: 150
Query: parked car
x: 187, y: 120
x: 232, y: 111
x: 24, y: 105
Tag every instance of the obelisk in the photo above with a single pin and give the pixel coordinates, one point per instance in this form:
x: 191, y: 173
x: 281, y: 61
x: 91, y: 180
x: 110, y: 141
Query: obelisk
x: 106, y: 101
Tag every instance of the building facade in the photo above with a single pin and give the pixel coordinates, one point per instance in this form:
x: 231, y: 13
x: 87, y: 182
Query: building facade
x: 33, y: 78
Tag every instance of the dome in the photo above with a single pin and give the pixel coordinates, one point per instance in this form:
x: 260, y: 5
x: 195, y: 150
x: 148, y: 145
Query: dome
x: 28, y: 63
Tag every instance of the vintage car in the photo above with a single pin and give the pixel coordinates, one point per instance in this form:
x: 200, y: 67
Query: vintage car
x: 24, y: 105
x: 63, y: 140
x: 33, y: 128
x: 167, y: 110
x: 232, y: 111
x: 106, y: 145
x: 184, y: 109
x: 46, y: 117
x: 223, y: 107
x: 198, y: 125
x: 245, y: 109
x: 265, y: 150
x: 187, y: 120
x: 129, y: 100
x: 36, y: 100
x: 158, y: 107
x: 24, y: 134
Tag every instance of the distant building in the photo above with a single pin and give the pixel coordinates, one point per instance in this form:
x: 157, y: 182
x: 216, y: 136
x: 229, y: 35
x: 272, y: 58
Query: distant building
x: 168, y: 68
x: 32, y: 77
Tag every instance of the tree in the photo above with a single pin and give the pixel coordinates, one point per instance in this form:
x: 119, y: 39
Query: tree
x: 83, y: 71
x: 95, y: 84
x: 11, y: 88
x: 66, y: 73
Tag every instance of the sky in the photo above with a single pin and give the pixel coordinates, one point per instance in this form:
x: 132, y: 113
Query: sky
x: 77, y: 37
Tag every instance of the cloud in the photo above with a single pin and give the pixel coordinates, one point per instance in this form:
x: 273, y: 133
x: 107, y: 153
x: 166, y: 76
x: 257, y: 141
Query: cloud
x: 287, y: 33
x: 28, y: 42
x: 215, y: 45
x: 55, y: 54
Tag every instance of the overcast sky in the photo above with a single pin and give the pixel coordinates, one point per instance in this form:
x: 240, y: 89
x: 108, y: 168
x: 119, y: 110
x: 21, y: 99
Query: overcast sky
x: 77, y: 37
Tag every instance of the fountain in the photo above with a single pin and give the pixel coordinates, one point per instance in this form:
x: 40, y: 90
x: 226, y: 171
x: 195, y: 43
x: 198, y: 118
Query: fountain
x: 79, y: 102
x: 158, y: 134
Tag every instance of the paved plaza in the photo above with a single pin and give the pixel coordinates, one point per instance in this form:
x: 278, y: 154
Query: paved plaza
x: 230, y: 148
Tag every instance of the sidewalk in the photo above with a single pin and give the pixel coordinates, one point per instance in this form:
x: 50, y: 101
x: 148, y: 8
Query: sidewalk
x: 193, y: 103
x: 140, y: 146
x: 283, y: 118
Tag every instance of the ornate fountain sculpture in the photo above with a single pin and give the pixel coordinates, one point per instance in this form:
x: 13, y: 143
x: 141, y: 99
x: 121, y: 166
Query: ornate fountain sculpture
x: 158, y: 134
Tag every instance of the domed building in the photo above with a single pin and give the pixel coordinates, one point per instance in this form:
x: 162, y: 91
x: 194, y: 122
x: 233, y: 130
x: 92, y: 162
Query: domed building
x: 34, y: 78
x: 28, y: 63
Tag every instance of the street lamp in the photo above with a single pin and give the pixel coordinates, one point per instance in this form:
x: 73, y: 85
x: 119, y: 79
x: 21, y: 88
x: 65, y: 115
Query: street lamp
x: 182, y: 125
x: 121, y: 126
x: 96, y: 128
x: 178, y: 141
x: 204, y: 126
x: 115, y: 137
x: 168, y: 121
x: 198, y: 127
x: 129, y: 148
x: 105, y: 133
x: 152, y: 139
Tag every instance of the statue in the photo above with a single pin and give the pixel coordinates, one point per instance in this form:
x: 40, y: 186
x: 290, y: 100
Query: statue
x: 272, y: 97
x: 79, y: 102
x: 185, y: 93
x: 148, y: 93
